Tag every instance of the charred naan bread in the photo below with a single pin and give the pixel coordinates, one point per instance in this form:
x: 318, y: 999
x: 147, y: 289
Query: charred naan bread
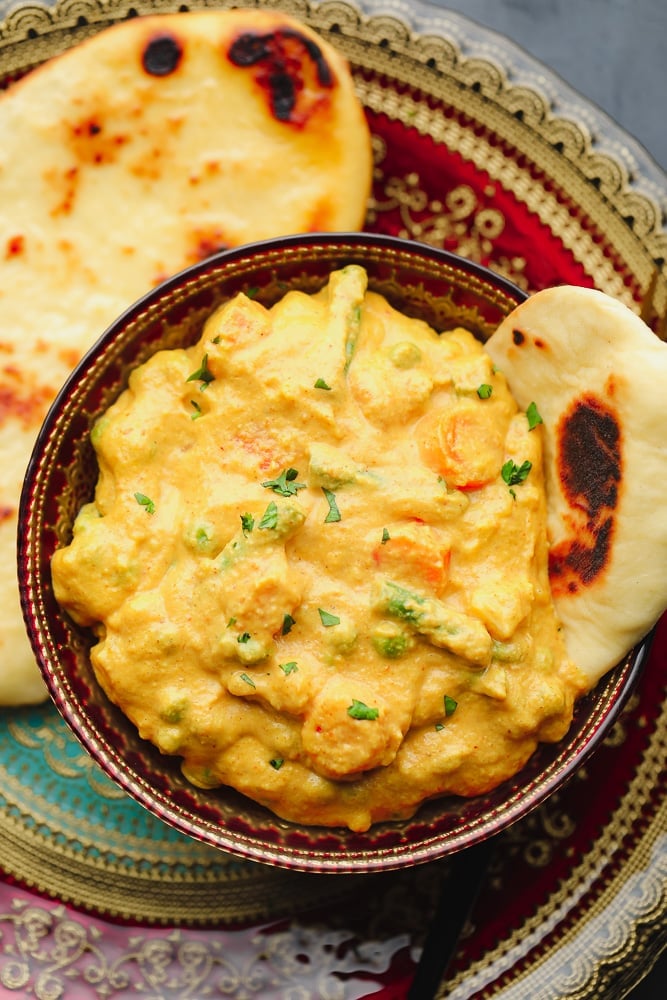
x: 124, y: 160
x: 598, y: 376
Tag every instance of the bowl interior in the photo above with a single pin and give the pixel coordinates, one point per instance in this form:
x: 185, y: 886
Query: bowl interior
x: 419, y: 280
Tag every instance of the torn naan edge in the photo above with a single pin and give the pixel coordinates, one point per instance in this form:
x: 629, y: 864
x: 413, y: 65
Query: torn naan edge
x: 142, y: 150
x: 598, y: 376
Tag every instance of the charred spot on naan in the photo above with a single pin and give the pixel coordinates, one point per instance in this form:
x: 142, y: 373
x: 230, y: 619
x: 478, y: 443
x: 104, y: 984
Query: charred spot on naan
x: 289, y: 68
x: 64, y: 186
x: 205, y: 244
x: 91, y: 142
x: 590, y: 471
x: 520, y: 339
x: 26, y: 404
x: 287, y: 65
x: 162, y: 54
x: 14, y: 246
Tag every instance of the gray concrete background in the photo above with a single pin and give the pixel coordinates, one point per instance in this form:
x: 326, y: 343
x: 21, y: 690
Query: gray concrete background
x: 613, y: 52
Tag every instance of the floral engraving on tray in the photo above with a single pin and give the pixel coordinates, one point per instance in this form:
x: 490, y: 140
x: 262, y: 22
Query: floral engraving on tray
x: 459, y: 220
x: 48, y: 953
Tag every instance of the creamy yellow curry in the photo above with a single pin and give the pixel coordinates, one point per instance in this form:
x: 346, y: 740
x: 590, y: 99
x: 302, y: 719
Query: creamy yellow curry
x: 316, y: 560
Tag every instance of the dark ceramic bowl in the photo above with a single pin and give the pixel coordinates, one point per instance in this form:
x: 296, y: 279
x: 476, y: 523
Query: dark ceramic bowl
x: 439, y: 287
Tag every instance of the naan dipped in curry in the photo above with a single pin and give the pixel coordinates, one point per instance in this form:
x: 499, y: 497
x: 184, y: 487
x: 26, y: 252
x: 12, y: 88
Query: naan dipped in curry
x: 145, y: 148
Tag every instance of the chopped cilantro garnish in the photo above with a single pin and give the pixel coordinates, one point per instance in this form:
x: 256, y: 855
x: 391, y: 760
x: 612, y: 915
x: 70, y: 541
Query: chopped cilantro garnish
x: 277, y: 763
x: 243, y: 638
x: 439, y: 726
x: 334, y: 513
x: 203, y: 374
x: 285, y: 484
x: 514, y: 474
x: 269, y: 517
x: 385, y: 536
x: 328, y: 619
x: 145, y: 502
x: 533, y: 415
x: 197, y: 408
x: 484, y: 390
x: 288, y: 668
x: 288, y: 623
x: 247, y: 523
x: 248, y: 680
x: 358, y: 710
x: 321, y: 384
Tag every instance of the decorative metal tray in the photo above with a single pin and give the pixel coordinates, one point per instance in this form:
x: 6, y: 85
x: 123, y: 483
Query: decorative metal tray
x: 479, y: 149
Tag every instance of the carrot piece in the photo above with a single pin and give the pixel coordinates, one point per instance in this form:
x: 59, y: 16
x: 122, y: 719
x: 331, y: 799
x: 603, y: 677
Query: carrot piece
x: 462, y: 444
x: 414, y: 552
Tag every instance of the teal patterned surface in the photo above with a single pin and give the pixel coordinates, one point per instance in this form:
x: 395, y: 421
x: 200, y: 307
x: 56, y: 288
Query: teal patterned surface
x: 72, y: 834
x: 49, y: 784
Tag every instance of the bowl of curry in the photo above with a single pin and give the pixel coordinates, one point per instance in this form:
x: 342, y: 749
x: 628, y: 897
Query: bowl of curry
x: 284, y: 565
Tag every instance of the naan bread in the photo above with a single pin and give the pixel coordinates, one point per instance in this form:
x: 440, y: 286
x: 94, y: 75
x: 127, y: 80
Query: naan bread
x: 599, y: 378
x: 137, y: 153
